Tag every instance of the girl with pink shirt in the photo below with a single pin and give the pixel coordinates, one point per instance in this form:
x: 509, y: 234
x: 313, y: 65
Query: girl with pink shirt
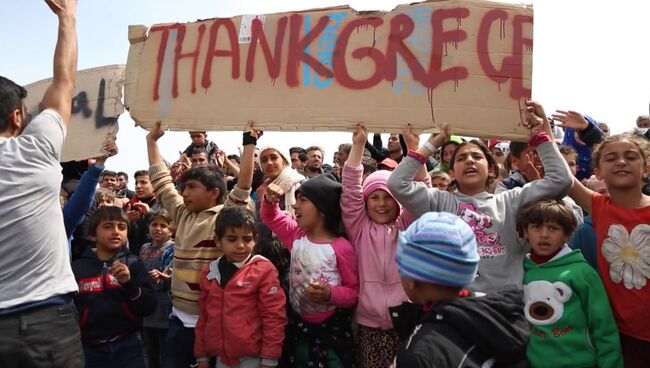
x: 373, y: 219
x: 324, y: 286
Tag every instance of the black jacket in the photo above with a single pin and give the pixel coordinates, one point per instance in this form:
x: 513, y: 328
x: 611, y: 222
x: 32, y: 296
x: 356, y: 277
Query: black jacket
x: 106, y: 308
x: 465, y: 332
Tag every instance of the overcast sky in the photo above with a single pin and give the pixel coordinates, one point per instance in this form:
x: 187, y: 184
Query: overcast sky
x: 588, y: 56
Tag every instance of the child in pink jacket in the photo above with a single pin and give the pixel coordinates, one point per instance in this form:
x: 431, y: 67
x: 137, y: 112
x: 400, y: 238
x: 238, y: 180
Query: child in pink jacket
x: 323, y: 275
x: 373, y: 219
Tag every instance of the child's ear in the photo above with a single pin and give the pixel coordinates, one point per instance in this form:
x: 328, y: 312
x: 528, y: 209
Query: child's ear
x: 214, y: 193
x: 452, y: 174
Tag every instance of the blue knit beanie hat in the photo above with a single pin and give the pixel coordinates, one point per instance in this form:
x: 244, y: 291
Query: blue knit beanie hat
x: 438, y: 248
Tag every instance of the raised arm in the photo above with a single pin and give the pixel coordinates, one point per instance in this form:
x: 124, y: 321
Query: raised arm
x: 557, y: 176
x: 58, y: 95
x: 245, y: 179
x: 414, y: 196
x: 581, y: 195
x: 353, y: 206
x: 589, y: 133
x: 81, y: 200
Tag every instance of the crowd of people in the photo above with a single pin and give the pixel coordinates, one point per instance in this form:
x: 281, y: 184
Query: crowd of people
x: 448, y: 252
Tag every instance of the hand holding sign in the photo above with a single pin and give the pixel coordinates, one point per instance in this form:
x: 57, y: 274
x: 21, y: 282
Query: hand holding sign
x: 109, y: 147
x: 156, y: 132
x: 412, y: 140
x: 359, y: 135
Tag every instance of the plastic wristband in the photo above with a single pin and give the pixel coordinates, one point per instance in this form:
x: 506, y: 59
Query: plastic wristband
x: 420, y: 157
x: 430, y: 147
x: 249, y: 139
x: 202, y: 359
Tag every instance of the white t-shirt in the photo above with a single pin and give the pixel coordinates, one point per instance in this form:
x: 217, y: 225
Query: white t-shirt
x: 34, y: 263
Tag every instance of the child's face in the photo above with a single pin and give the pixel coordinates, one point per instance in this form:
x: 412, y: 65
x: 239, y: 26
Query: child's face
x: 571, y: 161
x: 381, y: 207
x: 307, y: 215
x: 471, y: 169
x: 197, y: 197
x: 110, y: 235
x: 498, y: 155
x: 143, y: 187
x: 159, y: 230
x: 441, y: 183
x: 105, y: 202
x: 447, y: 152
x: 621, y: 165
x: 198, y: 138
x: 272, y: 163
x: 237, y: 243
x: 546, y: 238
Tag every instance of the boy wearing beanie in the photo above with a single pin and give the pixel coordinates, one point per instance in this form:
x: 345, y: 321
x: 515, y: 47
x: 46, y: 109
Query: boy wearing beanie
x: 446, y: 325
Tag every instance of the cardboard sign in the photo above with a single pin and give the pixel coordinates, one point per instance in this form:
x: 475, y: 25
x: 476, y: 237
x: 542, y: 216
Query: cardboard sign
x: 95, y: 107
x: 465, y: 62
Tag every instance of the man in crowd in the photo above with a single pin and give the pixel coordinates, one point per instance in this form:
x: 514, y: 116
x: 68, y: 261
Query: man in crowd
x: 298, y: 159
x: 37, y: 318
x: 314, y: 161
x: 108, y: 180
x: 122, y: 185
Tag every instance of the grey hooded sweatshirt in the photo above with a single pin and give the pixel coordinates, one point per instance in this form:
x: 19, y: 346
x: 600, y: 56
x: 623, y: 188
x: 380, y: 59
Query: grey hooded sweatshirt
x: 493, y: 217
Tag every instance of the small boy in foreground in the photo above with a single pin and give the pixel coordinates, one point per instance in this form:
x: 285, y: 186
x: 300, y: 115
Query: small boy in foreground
x: 114, y: 294
x: 448, y: 326
x: 570, y: 318
x: 242, y: 306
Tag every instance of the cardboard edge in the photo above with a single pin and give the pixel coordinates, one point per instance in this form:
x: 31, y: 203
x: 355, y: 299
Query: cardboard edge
x: 80, y: 72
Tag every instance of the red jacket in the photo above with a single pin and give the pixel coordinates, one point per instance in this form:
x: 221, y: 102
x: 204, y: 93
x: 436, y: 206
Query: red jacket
x: 247, y: 318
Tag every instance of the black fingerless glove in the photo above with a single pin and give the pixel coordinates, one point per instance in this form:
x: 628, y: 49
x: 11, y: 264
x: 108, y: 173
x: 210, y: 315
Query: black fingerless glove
x: 249, y: 139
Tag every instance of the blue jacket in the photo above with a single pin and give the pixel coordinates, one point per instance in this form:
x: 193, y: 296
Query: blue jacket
x: 74, y: 212
x: 591, y: 135
x: 585, y: 239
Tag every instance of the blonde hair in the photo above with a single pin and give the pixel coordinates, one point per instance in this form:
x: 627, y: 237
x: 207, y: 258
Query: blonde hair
x: 104, y: 194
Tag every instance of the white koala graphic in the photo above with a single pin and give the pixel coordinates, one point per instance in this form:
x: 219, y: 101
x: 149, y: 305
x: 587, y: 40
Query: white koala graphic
x: 545, y: 301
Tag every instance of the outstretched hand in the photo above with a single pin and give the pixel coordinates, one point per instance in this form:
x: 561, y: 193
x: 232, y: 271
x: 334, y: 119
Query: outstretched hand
x: 63, y: 7
x: 359, y: 135
x: 156, y: 132
x: 571, y: 119
x: 528, y: 168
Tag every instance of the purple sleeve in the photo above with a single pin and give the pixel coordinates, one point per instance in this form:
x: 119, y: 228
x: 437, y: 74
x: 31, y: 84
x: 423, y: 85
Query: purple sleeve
x: 284, y: 227
x: 347, y: 294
